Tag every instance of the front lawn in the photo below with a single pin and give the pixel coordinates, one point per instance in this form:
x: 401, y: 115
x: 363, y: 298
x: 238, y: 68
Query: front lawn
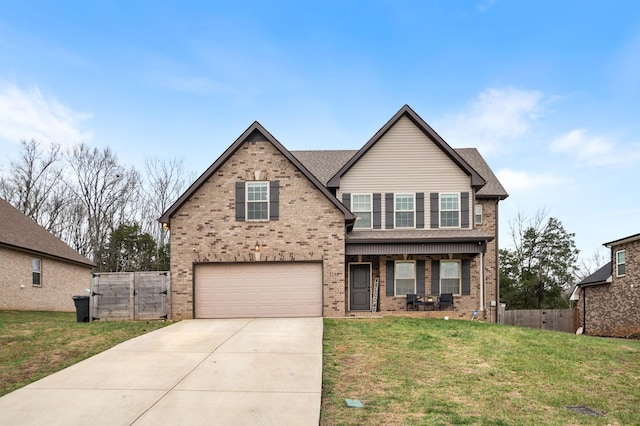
x: 36, y: 344
x: 410, y: 371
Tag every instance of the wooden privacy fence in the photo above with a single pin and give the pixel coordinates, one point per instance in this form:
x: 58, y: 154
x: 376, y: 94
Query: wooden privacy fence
x: 546, y: 319
x: 130, y: 295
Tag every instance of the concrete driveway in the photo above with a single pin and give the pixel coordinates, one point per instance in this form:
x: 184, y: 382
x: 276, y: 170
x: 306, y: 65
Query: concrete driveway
x: 195, y: 372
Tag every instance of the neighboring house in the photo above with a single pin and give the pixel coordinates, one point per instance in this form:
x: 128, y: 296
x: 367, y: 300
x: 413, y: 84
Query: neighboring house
x: 39, y: 271
x: 609, y: 299
x: 269, y: 232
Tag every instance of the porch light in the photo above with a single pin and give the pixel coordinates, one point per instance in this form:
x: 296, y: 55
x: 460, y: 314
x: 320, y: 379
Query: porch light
x: 165, y: 226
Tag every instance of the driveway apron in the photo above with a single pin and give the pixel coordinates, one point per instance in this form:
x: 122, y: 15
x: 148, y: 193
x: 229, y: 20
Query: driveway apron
x: 195, y: 372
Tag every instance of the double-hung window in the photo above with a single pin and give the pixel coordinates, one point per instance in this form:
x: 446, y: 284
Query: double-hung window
x: 405, y: 277
x: 257, y: 200
x: 405, y: 212
x: 36, y: 272
x: 478, y: 214
x: 449, y: 210
x: 450, y: 277
x: 620, y: 263
x: 361, y: 207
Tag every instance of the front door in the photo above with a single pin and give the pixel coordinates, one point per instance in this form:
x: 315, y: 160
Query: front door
x: 360, y: 286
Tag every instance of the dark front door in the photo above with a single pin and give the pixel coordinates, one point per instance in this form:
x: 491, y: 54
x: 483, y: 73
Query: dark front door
x: 360, y: 286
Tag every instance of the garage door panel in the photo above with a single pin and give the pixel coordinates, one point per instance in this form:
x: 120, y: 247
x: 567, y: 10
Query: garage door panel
x: 258, y: 290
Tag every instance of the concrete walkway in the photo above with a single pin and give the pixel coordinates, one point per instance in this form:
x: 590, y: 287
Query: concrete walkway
x: 194, y: 372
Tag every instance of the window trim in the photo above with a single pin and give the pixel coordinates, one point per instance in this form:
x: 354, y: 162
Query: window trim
x: 623, y: 264
x: 38, y: 272
x: 459, y: 263
x: 395, y: 277
x: 395, y: 210
x: 441, y: 210
x: 355, y: 212
x: 476, y: 214
x: 246, y: 200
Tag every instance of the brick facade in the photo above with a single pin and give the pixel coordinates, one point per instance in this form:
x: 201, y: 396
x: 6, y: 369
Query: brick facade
x: 613, y: 309
x: 310, y: 227
x: 491, y: 266
x: 311, y: 223
x: 464, y: 304
x: 60, y: 281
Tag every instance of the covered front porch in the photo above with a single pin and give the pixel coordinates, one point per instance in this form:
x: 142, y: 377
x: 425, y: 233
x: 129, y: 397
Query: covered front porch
x: 381, y: 269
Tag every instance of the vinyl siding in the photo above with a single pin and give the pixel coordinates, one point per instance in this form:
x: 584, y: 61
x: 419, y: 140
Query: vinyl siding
x: 405, y: 160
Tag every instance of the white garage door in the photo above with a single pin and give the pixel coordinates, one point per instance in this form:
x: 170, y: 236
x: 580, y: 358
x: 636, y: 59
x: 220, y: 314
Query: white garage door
x: 258, y: 290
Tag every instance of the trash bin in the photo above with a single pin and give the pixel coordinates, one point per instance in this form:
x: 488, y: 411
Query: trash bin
x: 82, y: 308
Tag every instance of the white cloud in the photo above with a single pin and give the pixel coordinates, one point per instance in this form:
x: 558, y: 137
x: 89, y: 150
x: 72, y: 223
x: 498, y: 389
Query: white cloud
x: 516, y: 181
x: 494, y: 118
x: 29, y: 114
x: 594, y: 150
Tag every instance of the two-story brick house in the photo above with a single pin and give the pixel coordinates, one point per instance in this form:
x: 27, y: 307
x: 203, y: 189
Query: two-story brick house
x: 609, y: 299
x: 269, y: 232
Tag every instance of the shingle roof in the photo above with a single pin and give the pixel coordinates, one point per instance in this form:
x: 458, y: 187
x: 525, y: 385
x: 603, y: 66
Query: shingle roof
x: 493, y: 188
x: 601, y: 276
x: 624, y: 240
x: 21, y: 232
x: 324, y: 164
x: 419, y: 235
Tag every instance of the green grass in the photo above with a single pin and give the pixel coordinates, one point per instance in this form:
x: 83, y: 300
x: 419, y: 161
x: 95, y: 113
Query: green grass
x: 36, y: 344
x: 410, y: 371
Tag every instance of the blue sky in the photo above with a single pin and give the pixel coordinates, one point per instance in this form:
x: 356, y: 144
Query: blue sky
x: 548, y: 91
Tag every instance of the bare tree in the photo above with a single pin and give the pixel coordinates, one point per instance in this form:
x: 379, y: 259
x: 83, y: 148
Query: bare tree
x: 34, y: 184
x: 104, y: 190
x: 165, y: 181
x: 591, y: 264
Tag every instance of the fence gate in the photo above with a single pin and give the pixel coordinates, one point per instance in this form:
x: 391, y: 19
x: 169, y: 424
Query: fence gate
x: 130, y: 295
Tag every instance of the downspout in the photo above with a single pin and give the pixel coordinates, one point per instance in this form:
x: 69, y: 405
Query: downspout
x: 584, y: 310
x: 483, y: 305
x: 497, y: 270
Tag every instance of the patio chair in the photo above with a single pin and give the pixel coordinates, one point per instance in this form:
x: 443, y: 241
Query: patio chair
x: 446, y: 300
x: 415, y: 302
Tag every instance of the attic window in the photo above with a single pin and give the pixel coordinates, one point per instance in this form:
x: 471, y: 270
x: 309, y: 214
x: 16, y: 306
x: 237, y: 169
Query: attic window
x: 36, y: 272
x: 257, y: 200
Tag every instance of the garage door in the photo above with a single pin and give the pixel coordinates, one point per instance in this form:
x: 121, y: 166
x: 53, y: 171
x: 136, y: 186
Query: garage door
x: 258, y: 290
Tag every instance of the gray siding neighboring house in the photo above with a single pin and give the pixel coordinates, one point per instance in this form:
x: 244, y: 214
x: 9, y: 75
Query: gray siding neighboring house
x: 609, y: 299
x: 39, y: 271
x: 404, y: 214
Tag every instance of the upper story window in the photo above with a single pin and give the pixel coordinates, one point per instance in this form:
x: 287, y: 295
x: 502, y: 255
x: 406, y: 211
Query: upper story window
x: 405, y: 210
x: 450, y: 277
x: 449, y: 210
x: 361, y: 207
x: 620, y: 263
x: 257, y: 200
x: 405, y: 278
x: 478, y: 214
x: 36, y: 272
